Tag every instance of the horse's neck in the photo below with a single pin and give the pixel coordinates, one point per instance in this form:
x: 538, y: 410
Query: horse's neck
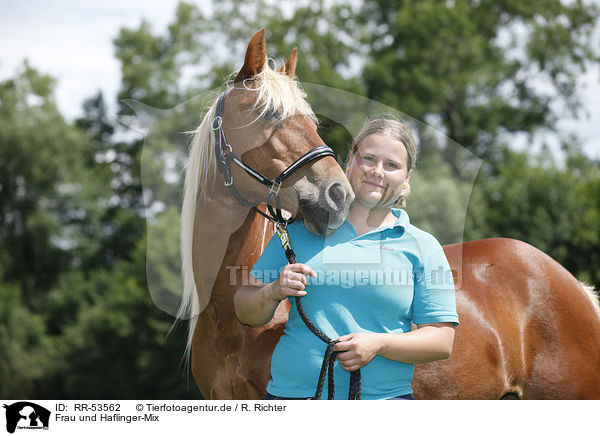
x: 243, y: 250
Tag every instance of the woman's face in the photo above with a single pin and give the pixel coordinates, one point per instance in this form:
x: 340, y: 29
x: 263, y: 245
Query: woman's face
x: 379, y: 170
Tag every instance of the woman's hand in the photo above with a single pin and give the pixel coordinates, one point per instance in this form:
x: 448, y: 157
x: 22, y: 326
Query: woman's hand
x: 291, y: 282
x: 356, y: 350
x: 255, y: 304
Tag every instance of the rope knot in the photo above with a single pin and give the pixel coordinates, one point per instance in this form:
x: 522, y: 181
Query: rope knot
x: 327, y: 370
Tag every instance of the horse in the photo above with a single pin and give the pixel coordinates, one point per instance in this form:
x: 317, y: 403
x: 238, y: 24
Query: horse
x: 271, y: 126
x: 529, y: 329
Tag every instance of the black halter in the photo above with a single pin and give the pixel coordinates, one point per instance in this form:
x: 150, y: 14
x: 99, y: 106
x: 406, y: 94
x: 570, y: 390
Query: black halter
x: 225, y: 156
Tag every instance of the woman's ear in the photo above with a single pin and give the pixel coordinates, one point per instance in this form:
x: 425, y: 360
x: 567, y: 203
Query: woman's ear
x: 349, y: 162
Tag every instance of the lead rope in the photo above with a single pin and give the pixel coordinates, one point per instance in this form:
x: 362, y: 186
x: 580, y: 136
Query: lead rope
x: 329, y: 357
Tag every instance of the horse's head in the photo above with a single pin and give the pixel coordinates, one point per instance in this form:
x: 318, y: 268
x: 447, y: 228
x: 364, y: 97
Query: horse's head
x: 269, y: 124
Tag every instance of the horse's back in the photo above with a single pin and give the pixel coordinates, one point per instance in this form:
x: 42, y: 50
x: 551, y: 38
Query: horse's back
x: 527, y: 327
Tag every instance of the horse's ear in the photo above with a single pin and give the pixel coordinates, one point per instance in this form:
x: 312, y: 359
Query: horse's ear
x: 290, y: 66
x: 256, y: 57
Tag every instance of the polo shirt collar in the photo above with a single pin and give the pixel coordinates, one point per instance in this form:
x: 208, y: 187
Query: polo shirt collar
x: 403, y: 220
x: 401, y: 223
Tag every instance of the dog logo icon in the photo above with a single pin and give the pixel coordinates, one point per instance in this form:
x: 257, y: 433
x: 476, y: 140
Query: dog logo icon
x: 26, y: 415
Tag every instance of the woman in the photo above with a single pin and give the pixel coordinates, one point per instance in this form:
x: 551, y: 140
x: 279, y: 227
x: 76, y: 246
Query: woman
x: 365, y: 284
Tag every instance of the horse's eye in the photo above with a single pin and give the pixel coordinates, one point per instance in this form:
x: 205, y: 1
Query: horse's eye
x: 271, y: 114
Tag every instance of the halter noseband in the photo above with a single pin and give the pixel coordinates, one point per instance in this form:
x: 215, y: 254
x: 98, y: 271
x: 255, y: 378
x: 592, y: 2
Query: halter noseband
x: 225, y: 156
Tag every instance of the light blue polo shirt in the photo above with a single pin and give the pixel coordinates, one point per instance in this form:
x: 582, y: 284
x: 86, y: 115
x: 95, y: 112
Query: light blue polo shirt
x: 380, y: 282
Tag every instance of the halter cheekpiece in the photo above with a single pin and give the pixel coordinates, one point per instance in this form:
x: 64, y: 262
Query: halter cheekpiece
x: 225, y: 156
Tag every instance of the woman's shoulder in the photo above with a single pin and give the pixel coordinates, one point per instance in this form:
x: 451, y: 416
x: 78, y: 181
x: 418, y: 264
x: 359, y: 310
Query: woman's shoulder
x: 422, y: 237
x: 421, y: 234
x: 423, y: 244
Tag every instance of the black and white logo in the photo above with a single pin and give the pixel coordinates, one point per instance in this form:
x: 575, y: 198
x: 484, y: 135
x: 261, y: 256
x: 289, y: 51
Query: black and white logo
x: 26, y: 415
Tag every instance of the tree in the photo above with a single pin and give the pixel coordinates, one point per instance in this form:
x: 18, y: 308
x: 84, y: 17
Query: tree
x: 43, y: 185
x: 119, y: 219
x: 24, y: 345
x: 113, y: 340
x: 474, y: 68
x: 554, y: 208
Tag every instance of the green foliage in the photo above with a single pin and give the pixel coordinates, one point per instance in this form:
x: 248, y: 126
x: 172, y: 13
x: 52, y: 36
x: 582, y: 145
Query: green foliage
x: 24, y: 345
x: 152, y: 65
x: 76, y: 312
x: 40, y: 202
x: 114, y: 341
x: 438, y: 200
x: 476, y: 66
x: 555, y: 209
x: 161, y: 251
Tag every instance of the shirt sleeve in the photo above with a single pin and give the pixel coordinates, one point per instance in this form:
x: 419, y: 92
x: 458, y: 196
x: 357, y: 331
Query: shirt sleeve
x: 271, y: 261
x: 434, y: 295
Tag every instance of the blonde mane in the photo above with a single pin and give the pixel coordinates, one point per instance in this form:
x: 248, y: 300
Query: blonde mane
x: 593, y: 295
x: 276, y: 92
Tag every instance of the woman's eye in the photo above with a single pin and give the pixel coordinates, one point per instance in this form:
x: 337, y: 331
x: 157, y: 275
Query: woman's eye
x: 368, y: 158
x: 393, y: 165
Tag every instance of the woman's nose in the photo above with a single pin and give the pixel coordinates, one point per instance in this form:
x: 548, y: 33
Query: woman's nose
x: 377, y: 169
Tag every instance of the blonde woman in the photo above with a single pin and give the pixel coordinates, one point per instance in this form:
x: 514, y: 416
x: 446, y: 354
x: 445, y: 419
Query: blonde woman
x: 365, y: 285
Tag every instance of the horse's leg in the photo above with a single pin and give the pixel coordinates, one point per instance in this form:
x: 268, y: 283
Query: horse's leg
x: 234, y: 361
x: 486, y: 362
x: 207, y: 367
x: 229, y: 360
x: 479, y: 365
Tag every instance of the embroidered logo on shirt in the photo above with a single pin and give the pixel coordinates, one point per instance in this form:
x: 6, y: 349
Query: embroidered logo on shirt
x: 383, y: 247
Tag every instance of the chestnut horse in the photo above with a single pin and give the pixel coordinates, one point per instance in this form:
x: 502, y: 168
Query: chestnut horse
x: 267, y: 121
x: 528, y: 328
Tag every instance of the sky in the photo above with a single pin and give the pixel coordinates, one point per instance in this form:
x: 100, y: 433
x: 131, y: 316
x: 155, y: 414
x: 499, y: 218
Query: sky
x: 71, y: 40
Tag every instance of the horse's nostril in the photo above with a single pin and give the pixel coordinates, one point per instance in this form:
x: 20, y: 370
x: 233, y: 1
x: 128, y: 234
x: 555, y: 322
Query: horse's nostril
x: 336, y: 194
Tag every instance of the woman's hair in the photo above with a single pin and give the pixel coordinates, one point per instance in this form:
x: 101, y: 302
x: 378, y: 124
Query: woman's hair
x: 396, y: 130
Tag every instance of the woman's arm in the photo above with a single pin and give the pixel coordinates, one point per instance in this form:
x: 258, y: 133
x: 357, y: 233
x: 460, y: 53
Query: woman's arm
x: 255, y: 304
x: 428, y: 343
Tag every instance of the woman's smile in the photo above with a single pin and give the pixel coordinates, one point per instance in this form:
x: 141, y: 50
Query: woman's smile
x: 373, y: 184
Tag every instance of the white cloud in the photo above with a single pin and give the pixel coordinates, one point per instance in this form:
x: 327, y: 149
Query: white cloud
x: 72, y: 41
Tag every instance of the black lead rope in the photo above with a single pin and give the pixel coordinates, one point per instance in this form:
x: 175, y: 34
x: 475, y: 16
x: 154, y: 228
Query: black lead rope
x: 330, y: 355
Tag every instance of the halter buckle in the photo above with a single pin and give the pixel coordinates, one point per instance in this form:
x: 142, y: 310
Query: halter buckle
x: 227, y: 177
x: 217, y: 123
x: 227, y: 150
